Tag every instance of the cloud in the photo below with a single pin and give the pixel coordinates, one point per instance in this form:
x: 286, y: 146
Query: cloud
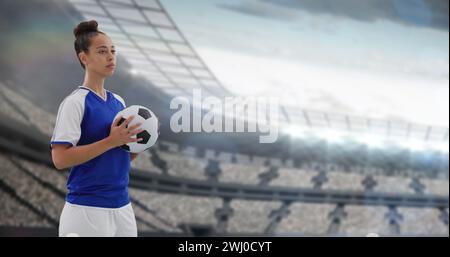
x: 419, y: 13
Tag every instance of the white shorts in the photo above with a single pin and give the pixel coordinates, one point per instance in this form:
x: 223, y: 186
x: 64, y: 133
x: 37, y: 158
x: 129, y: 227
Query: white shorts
x: 87, y: 221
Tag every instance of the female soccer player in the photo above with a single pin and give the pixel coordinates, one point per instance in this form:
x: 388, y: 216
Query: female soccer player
x: 87, y: 140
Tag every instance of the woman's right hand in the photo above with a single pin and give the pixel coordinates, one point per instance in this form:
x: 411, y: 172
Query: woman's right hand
x: 122, y: 134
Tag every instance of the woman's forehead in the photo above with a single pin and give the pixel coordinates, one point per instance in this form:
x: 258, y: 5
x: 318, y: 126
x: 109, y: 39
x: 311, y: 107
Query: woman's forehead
x: 101, y: 40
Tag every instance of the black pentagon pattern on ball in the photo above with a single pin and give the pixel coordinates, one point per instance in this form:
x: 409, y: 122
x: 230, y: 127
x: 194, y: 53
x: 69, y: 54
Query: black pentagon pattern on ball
x: 121, y: 121
x: 144, y: 113
x: 125, y: 147
x: 145, y: 137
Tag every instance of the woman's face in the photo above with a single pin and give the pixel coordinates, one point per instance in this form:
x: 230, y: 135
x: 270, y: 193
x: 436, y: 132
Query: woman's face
x: 101, y: 57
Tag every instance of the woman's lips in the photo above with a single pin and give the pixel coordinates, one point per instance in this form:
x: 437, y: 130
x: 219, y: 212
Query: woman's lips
x: 112, y: 66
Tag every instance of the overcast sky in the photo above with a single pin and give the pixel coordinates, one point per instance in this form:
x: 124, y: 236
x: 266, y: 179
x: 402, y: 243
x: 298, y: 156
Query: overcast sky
x: 378, y: 58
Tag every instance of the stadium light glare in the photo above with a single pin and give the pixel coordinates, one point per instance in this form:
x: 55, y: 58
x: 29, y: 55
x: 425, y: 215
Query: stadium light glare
x: 331, y: 136
x: 414, y: 145
x: 442, y: 147
x: 134, y: 72
x: 295, y: 131
x: 372, y: 141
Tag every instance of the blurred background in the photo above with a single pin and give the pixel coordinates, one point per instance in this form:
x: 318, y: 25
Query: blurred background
x: 364, y: 93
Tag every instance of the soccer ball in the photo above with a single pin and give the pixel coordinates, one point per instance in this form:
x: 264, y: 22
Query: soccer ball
x: 149, y: 122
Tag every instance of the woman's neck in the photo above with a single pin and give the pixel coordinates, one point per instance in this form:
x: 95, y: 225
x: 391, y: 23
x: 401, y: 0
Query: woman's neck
x: 95, y: 83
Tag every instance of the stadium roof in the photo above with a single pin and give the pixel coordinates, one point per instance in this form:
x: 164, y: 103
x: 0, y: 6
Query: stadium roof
x: 151, y: 42
x: 148, y: 38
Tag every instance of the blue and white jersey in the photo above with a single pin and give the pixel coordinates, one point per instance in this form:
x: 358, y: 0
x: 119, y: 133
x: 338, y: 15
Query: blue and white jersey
x: 85, y: 118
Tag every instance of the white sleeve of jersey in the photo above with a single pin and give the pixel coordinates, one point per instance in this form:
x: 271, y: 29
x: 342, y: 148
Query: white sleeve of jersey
x: 68, y: 121
x: 120, y: 100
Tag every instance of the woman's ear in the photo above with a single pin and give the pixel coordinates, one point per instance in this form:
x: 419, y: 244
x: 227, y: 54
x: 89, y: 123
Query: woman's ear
x: 83, y: 58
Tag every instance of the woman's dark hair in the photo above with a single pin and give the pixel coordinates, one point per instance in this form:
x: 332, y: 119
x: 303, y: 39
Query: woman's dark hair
x: 83, y: 33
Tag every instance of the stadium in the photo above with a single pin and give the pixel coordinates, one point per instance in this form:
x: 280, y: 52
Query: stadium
x: 329, y: 173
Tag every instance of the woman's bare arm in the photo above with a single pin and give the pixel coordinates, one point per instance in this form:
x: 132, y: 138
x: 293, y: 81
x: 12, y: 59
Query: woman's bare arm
x: 65, y: 156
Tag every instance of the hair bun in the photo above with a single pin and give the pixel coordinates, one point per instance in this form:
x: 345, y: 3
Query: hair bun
x: 86, y: 27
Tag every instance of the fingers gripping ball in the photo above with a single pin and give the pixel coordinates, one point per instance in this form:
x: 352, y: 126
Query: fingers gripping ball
x: 150, y: 125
